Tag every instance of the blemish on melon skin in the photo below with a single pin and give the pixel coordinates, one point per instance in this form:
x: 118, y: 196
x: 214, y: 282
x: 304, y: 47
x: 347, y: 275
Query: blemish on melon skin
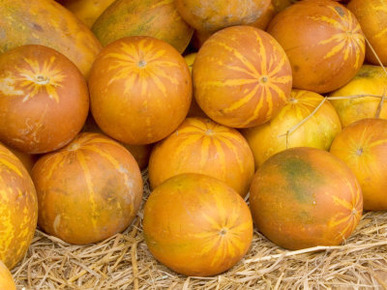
x: 340, y: 11
x: 122, y: 169
x: 37, y: 27
x: 7, y: 87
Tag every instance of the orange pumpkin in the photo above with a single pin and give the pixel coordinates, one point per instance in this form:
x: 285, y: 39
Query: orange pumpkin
x: 372, y: 16
x: 215, y: 15
x: 363, y: 147
x: 87, y: 191
x: 304, y: 197
x: 197, y: 225
x: 6, y: 279
x: 241, y: 77
x: 200, y: 145
x: 18, y: 209
x: 370, y: 80
x: 318, y: 131
x: 47, y: 23
x: 140, y: 89
x: 323, y: 41
x: 44, y: 99
x: 154, y: 18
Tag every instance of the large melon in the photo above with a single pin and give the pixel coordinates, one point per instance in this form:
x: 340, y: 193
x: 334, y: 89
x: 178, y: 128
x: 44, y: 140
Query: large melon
x: 140, y: 89
x: 324, y: 43
x: 304, y: 197
x: 197, y: 225
x: 44, y: 99
x: 87, y: 191
x: 242, y: 77
x: 158, y: 19
x: 48, y: 23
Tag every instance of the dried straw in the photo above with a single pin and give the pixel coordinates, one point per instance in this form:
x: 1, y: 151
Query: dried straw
x: 124, y: 262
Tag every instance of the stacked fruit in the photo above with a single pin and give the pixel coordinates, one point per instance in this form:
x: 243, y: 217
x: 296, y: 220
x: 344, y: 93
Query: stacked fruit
x: 259, y: 111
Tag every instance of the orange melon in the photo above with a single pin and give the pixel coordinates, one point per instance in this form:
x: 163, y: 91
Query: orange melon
x: 241, y: 76
x: 197, y: 225
x: 200, y: 145
x: 305, y: 197
x: 87, y: 191
x: 44, y: 99
x: 362, y: 145
x: 323, y: 41
x: 140, y: 89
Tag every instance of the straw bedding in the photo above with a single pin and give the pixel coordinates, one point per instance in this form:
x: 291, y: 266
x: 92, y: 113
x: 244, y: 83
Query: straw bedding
x: 124, y: 262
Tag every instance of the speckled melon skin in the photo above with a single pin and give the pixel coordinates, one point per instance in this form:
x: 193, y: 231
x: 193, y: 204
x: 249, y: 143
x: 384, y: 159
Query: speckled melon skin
x: 18, y: 209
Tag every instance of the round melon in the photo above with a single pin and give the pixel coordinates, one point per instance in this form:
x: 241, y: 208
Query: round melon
x: 323, y: 41
x: 363, y: 147
x: 197, y: 225
x: 241, y: 76
x: 140, y: 89
x: 304, y: 197
x: 44, y: 99
x: 87, y: 191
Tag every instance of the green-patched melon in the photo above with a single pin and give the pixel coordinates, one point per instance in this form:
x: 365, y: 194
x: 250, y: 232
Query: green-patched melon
x: 158, y: 19
x: 47, y: 23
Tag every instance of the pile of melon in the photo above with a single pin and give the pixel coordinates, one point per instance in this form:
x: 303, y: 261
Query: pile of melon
x: 243, y: 114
